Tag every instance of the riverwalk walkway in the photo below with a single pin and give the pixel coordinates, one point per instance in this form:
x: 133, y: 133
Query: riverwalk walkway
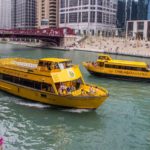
x: 118, y: 46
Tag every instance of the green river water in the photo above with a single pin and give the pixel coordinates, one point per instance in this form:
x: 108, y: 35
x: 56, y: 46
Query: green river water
x: 121, y: 123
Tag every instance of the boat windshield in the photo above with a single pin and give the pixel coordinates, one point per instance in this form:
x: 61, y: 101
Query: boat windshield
x: 55, y: 65
x: 104, y: 57
x: 64, y: 65
x: 65, y: 88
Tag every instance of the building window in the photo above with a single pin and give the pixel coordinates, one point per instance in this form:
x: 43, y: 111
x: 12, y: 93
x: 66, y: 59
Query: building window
x: 80, y: 2
x: 92, y: 2
x: 148, y: 31
x: 140, y: 25
x: 100, y: 2
x: 62, y: 18
x: 66, y: 18
x: 92, y: 16
x: 73, y: 18
x: 73, y: 3
x: 62, y: 4
x: 107, y: 18
x: 99, y: 17
x: 84, y: 16
x: 85, y: 2
x: 79, y: 19
x: 130, y: 26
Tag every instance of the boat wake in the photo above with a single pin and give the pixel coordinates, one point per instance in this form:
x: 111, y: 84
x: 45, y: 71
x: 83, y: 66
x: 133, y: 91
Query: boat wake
x: 76, y: 110
x: 36, y: 105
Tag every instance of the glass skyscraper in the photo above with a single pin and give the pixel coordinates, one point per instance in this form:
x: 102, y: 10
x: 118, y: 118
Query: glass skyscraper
x: 126, y: 11
x: 148, y: 12
x: 143, y: 10
x: 23, y: 14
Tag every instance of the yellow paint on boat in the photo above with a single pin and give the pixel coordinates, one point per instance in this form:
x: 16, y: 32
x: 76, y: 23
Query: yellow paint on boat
x: 53, y: 81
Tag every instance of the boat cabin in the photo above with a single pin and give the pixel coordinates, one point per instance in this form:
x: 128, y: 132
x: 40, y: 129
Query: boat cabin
x: 107, y: 62
x: 65, y: 82
x: 49, y: 64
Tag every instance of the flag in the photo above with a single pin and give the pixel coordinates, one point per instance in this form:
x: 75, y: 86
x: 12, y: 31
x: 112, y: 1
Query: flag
x: 1, y: 143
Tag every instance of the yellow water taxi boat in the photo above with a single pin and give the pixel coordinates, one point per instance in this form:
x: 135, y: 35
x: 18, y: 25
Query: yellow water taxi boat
x: 105, y: 66
x: 52, y: 81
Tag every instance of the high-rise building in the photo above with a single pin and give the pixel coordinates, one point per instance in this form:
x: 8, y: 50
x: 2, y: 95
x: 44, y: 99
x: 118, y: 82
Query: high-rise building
x: 127, y: 10
x: 148, y: 12
x: 47, y: 13
x: 5, y: 14
x: 121, y: 13
x: 23, y: 14
x: 88, y: 16
x: 143, y: 10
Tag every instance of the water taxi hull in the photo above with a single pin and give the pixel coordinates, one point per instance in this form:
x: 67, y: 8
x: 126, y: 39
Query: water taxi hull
x: 120, y: 77
x: 80, y: 102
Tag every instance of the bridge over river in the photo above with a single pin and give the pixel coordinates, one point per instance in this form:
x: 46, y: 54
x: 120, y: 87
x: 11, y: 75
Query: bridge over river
x: 51, y: 35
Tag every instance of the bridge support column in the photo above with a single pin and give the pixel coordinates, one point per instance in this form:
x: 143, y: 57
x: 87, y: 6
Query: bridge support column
x: 68, y: 41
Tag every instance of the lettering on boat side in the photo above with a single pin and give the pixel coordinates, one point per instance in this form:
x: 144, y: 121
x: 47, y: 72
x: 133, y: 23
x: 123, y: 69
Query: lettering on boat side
x: 131, y: 72
x: 30, y: 65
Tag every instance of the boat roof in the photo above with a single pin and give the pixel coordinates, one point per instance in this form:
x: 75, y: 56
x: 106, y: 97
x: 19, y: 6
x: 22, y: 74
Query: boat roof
x: 123, y: 62
x: 58, y: 60
x: 127, y: 63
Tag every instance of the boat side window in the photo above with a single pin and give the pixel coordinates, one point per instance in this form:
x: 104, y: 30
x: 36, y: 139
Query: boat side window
x: 1, y: 76
x: 109, y: 66
x: 141, y: 69
x: 125, y: 67
x: 29, y: 83
x: 47, y: 87
x: 37, y: 85
x: 41, y: 63
x: 7, y: 78
x: 49, y: 66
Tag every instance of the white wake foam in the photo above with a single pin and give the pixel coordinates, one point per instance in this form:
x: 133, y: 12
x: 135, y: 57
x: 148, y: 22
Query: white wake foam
x: 77, y: 110
x: 36, y: 105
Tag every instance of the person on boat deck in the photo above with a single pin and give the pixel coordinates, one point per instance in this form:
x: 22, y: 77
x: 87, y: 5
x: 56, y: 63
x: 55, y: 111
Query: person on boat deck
x: 65, y: 65
x: 83, y: 92
x: 92, y: 91
x: 69, y: 90
x: 62, y: 89
x: 49, y: 66
x: 73, y: 88
x: 56, y: 66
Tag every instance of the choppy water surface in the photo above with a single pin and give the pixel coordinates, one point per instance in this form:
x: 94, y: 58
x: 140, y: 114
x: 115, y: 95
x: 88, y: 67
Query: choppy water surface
x: 121, y: 123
